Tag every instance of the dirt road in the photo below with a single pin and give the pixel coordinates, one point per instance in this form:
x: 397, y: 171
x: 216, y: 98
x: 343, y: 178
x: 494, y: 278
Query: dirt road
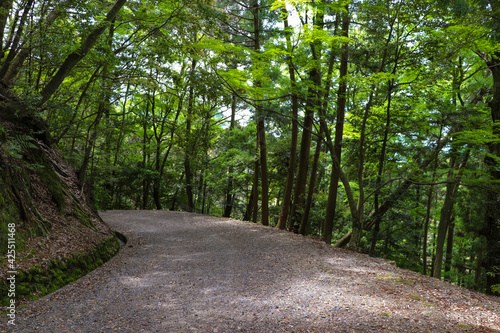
x: 182, y: 272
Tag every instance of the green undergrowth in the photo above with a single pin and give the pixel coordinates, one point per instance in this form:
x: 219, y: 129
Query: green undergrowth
x: 40, y: 281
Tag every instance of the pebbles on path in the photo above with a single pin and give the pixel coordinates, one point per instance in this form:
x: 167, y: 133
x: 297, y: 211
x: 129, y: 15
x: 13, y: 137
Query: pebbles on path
x: 182, y: 272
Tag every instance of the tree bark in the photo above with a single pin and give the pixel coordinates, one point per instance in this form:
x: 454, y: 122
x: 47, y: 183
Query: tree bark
x: 264, y: 218
x: 381, y: 164
x: 189, y: 145
x: 73, y: 58
x: 255, y: 191
x: 304, y: 223
x: 287, y: 197
x: 449, y: 248
x: 261, y: 128
x: 313, y: 103
x: 447, y: 210
x: 357, y: 224
x: 228, y: 207
x: 339, y: 130
x: 491, y: 229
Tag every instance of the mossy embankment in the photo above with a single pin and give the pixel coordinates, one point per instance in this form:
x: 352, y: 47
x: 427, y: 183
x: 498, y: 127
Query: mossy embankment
x: 53, y: 274
x: 50, y: 233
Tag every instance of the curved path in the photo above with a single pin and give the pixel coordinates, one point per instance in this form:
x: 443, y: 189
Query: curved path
x: 183, y: 272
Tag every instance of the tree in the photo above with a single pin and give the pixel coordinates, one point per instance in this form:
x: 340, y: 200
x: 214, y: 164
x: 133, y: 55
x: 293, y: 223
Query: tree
x: 339, y: 130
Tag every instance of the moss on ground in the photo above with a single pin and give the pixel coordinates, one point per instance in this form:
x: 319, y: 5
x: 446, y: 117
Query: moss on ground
x: 40, y: 281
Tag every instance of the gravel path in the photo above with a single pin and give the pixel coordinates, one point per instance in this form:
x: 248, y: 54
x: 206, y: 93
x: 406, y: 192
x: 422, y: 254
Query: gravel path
x: 183, y: 272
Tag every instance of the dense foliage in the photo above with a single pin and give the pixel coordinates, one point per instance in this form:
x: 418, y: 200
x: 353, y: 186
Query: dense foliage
x: 370, y: 123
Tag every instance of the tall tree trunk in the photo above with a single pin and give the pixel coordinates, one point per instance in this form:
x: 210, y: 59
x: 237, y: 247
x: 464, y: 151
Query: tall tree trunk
x: 430, y: 195
x: 447, y: 211
x: 160, y: 165
x: 145, y: 155
x: 189, y: 184
x: 313, y: 102
x: 357, y: 223
x: 229, y: 190
x: 323, y: 127
x: 249, y: 209
x: 312, y: 184
x: 425, y: 240
x: 449, y: 248
x: 261, y: 128
x: 156, y: 182
x: 174, y: 198
x: 189, y: 144
x: 264, y: 219
x: 491, y: 229
x: 255, y: 191
x: 339, y: 130
x: 301, y: 180
x: 381, y: 164
x: 287, y: 197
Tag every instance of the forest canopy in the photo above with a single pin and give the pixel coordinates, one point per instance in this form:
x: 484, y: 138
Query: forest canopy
x: 370, y: 124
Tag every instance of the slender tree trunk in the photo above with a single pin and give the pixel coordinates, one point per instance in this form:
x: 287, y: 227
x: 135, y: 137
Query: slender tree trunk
x: 261, y: 128
x: 189, y: 185
x: 229, y: 191
x: 323, y: 127
x: 430, y: 194
x: 447, y: 211
x: 301, y: 180
x: 449, y: 248
x: 313, y: 103
x: 263, y: 173
x: 357, y: 223
x: 381, y: 164
x: 189, y: 144
x: 156, y: 183
x: 145, y: 154
x: 249, y: 209
x: 312, y: 185
x: 115, y: 191
x: 287, y: 197
x: 491, y: 229
x: 479, y: 265
x: 339, y: 130
x: 174, y: 198
x: 426, y: 229
x: 160, y: 165
x: 255, y: 190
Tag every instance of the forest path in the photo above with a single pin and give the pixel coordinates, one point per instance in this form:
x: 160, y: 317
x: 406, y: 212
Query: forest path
x: 182, y: 272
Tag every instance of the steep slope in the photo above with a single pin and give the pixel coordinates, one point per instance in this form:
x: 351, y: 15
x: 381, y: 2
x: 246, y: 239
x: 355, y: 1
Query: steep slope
x: 49, y: 233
